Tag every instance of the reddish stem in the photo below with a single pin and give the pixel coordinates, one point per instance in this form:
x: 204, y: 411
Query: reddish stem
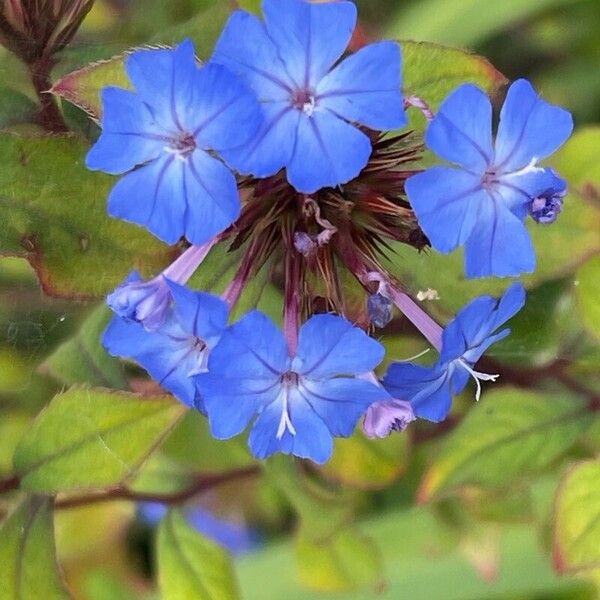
x: 49, y: 114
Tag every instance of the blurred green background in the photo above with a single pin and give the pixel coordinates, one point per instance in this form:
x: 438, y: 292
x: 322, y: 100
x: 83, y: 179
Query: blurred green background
x: 488, y: 524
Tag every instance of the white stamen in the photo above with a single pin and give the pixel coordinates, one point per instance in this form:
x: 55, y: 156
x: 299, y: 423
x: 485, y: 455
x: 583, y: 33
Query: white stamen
x: 530, y: 168
x: 284, y: 421
x: 478, y: 377
x: 178, y: 153
x: 309, y: 107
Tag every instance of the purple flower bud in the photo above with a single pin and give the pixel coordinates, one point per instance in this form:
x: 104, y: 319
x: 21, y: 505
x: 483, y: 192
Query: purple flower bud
x: 545, y: 208
x: 384, y: 417
x: 143, y: 301
x: 380, y: 310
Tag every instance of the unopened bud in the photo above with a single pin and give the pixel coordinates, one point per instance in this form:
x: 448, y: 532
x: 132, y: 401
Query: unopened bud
x: 380, y: 310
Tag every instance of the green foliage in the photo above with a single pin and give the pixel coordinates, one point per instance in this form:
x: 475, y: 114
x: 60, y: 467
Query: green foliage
x: 55, y: 216
x: 191, y: 566
x: 431, y: 72
x: 509, y: 434
x: 368, y: 464
x: 466, y: 22
x: 491, y: 479
x: 588, y: 292
x: 421, y: 563
x: 28, y: 566
x: 577, y: 517
x: 89, y: 438
x: 82, y: 358
x: 332, y: 555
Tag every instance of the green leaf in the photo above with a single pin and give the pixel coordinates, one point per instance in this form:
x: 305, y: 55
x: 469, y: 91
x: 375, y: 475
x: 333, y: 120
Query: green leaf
x: 466, y: 22
x: 192, y: 445
x: 588, y: 293
x: 577, y: 519
x: 82, y: 87
x: 55, y: 216
x: 15, y: 108
x: 83, y: 359
x: 367, y: 464
x: 28, y: 567
x: 343, y: 561
x: 511, y: 433
x: 331, y: 554
x: 190, y: 566
x: 431, y: 72
x: 92, y: 438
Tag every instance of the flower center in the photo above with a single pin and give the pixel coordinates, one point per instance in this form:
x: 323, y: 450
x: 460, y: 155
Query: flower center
x: 182, y: 146
x: 290, y: 378
x: 489, y: 179
x: 304, y: 100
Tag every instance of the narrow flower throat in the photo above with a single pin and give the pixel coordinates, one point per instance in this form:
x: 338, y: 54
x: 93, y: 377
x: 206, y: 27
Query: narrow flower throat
x: 304, y: 100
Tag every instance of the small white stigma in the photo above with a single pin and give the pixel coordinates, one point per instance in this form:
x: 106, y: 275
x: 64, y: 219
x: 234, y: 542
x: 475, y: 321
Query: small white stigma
x: 478, y: 377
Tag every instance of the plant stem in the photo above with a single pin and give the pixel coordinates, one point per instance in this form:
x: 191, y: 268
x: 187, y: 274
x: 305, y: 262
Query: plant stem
x: 202, y: 484
x: 49, y: 114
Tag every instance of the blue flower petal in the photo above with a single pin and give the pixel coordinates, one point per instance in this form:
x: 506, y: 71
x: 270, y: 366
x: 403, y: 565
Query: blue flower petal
x: 341, y: 401
x: 366, y: 87
x: 151, y: 196
x: 530, y: 128
x: 225, y: 114
x: 245, y: 48
x: 252, y: 348
x: 210, y: 197
x: 309, y: 37
x: 196, y: 197
x: 461, y: 132
x: 203, y: 315
x: 231, y: 403
x: 311, y: 440
x: 512, y: 301
x: 129, y: 136
x: 328, y: 152
x: 169, y: 361
x: 271, y: 148
x: 470, y: 326
x: 470, y: 333
x: 329, y: 346
x: 500, y: 244
x: 166, y: 81
x: 446, y: 202
x: 426, y: 388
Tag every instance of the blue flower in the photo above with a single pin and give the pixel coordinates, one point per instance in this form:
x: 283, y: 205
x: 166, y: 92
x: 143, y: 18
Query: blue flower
x: 179, y: 349
x: 162, y: 136
x: 300, y: 402
x: 465, y: 339
x: 483, y: 203
x: 311, y: 106
x: 146, y: 302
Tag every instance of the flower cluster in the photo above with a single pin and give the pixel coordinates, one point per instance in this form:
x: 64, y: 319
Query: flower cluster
x: 289, y: 150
